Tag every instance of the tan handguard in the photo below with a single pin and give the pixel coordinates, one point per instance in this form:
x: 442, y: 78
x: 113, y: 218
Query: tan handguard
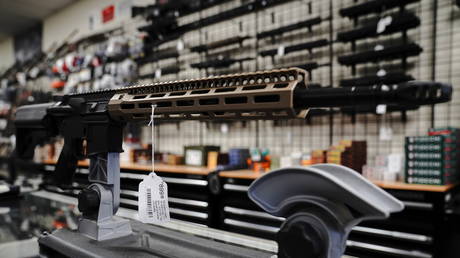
x: 257, y: 95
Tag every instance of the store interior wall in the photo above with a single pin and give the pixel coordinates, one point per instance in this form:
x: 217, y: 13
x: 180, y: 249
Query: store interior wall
x: 76, y: 17
x: 72, y: 23
x: 296, y: 136
x: 285, y: 137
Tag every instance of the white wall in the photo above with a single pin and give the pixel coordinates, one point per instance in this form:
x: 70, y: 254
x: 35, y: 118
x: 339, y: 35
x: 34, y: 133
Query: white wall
x: 60, y: 25
x: 57, y: 27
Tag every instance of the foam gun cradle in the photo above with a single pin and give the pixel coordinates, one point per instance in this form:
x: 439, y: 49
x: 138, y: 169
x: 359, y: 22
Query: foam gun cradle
x: 98, y: 118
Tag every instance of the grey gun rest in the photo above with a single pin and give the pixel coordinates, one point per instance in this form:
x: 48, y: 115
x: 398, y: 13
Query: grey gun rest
x: 321, y: 204
x: 102, y: 199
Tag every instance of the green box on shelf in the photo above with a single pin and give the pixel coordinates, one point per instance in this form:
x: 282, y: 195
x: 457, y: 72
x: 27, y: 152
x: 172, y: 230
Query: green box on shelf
x: 424, y: 139
x: 435, y: 164
x: 444, y: 180
x: 431, y: 147
x: 430, y: 172
x: 431, y: 139
x: 434, y: 155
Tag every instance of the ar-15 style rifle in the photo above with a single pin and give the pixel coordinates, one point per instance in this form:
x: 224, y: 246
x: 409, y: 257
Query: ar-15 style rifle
x: 99, y: 117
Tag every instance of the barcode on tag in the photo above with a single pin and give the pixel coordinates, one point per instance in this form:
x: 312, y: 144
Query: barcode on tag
x: 149, y: 203
x: 162, y: 190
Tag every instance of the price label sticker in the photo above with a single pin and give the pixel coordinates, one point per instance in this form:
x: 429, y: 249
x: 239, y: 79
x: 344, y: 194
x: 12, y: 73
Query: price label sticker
x: 22, y: 79
x: 157, y: 73
x: 385, y: 133
x: 381, y: 73
x: 153, y: 204
x: 381, y: 109
x: 4, y: 189
x: 4, y: 83
x: 378, y: 47
x: 383, y: 23
x: 395, y: 161
x: 224, y: 128
x: 3, y: 124
x: 280, y: 51
x: 180, y: 45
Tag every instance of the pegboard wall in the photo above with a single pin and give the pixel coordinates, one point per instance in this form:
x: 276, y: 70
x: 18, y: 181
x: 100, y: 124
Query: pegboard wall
x: 436, y: 34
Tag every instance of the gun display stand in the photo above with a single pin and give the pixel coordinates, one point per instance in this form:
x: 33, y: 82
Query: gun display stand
x: 99, y: 202
x: 118, y: 237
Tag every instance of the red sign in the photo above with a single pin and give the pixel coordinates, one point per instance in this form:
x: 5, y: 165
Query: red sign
x: 108, y: 13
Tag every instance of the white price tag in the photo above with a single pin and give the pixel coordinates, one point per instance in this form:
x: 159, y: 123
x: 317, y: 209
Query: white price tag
x: 394, y: 163
x: 153, y: 204
x: 4, y: 189
x: 157, y: 73
x: 381, y: 73
x: 34, y: 72
x: 4, y: 83
x: 22, y: 79
x: 383, y: 23
x: 224, y: 128
x: 180, y: 45
x: 85, y: 75
x: 381, y: 109
x: 280, y: 51
x: 3, y: 124
x: 385, y: 133
x: 378, y: 47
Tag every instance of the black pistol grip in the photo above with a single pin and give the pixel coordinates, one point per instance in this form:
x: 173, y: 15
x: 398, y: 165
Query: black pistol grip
x: 67, y: 162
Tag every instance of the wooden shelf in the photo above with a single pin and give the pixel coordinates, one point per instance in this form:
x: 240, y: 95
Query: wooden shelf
x: 158, y: 167
x: 242, y: 174
x: 251, y: 175
x: 414, y: 187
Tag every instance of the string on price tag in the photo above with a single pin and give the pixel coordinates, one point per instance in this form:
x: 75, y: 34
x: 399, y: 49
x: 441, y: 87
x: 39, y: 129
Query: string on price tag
x: 153, y: 204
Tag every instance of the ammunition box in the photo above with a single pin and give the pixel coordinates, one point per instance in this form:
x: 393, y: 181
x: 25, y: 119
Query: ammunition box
x: 436, y: 164
x: 435, y: 155
x: 429, y: 172
x: 445, y: 180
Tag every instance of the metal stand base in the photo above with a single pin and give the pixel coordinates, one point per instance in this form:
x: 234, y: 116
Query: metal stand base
x: 146, y: 241
x: 114, y: 227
